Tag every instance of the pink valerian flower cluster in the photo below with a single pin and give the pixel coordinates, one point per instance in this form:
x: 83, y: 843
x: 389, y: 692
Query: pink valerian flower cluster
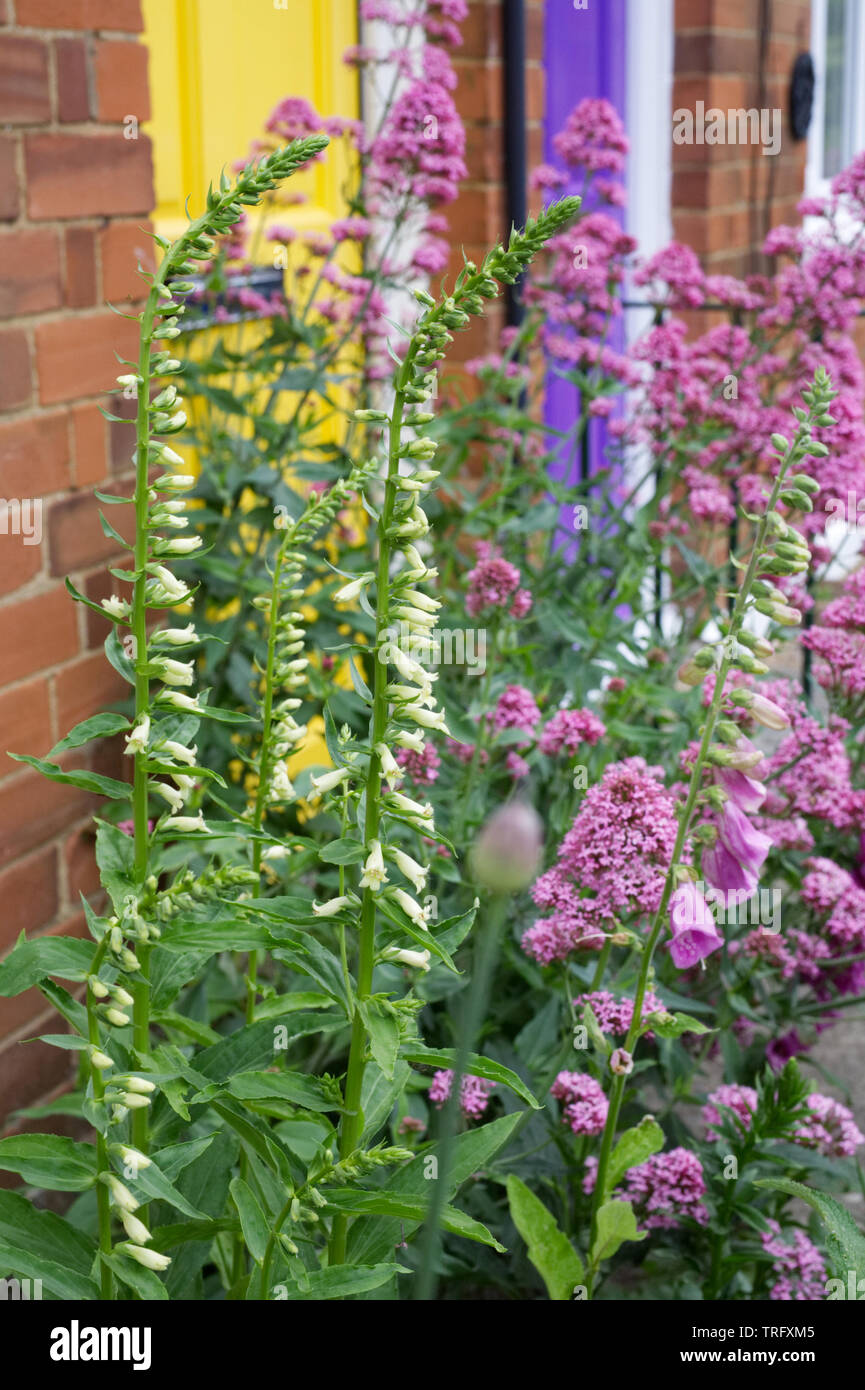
x: 611, y: 863
x: 615, y: 1015
x: 838, y: 641
x: 495, y: 583
x: 584, y: 1105
x: 666, y: 1189
x: 707, y: 399
x: 741, y: 1100
x: 421, y: 768
x: 801, y: 1273
x: 810, y: 774
x: 516, y: 709
x: 830, y: 1128
x: 474, y: 1093
x: 568, y: 729
x: 408, y: 167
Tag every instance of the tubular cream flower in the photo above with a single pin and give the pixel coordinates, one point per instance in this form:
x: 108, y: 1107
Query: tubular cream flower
x: 329, y: 780
x: 410, y: 907
x: 135, y: 1229
x: 116, y: 607
x: 179, y: 751
x: 176, y: 636
x: 374, y: 871
x: 389, y: 765
x: 414, y: 872
x: 175, y: 700
x: 173, y: 672
x: 150, y: 1259
x: 353, y: 589
x: 183, y: 824
x: 419, y: 960
x: 412, y: 808
x: 136, y: 741
x: 332, y: 907
x: 120, y: 1193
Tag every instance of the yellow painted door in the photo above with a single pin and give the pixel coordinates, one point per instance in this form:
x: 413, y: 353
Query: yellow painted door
x: 217, y: 70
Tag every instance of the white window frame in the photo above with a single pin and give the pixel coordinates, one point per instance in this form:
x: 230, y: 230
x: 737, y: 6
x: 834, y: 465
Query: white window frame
x: 816, y: 181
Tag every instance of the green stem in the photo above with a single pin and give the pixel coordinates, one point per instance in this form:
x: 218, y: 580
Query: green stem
x: 736, y: 619
x: 351, y: 1127
x: 103, y: 1200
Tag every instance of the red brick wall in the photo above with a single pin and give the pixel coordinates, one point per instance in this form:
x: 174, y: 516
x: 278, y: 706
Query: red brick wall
x: 74, y: 198
x: 478, y: 218
x: 726, y: 197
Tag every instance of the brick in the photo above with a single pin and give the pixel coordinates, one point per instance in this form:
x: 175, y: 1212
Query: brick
x: 482, y: 31
x: 121, y: 80
x: 28, y: 892
x: 479, y: 94
x: 693, y: 14
x: 123, y: 245
x: 121, y: 436
x: 82, y: 874
x: 80, y: 284
x: 86, y: 687
x: 25, y: 718
x: 73, y: 95
x: 19, y: 563
x: 24, y: 92
x: 484, y: 155
x: 9, y: 201
x: 33, y: 810
x: 36, y: 633
x: 30, y: 1069
x: 34, y: 455
x: 96, y: 587
x: 479, y: 212
x: 87, y: 175
x: 81, y: 14
x: 75, y: 357
x: 15, y: 374
x: 75, y: 535
x: 89, y: 444
x: 29, y: 272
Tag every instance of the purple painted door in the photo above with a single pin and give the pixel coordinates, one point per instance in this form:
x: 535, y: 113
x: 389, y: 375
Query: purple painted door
x: 584, y: 56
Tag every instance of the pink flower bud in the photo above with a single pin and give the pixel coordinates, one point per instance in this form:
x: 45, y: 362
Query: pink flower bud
x: 507, y: 852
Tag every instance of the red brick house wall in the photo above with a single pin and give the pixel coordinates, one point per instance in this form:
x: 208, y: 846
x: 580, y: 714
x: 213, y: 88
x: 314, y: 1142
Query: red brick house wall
x: 74, y: 195
x: 736, y: 54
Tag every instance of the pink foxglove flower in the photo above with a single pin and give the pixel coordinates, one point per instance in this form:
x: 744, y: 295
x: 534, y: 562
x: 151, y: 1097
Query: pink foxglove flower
x: 748, y: 845
x: 693, y: 928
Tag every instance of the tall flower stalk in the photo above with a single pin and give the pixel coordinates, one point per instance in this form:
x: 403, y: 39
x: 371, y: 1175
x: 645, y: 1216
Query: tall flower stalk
x: 777, y: 550
x: 402, y: 702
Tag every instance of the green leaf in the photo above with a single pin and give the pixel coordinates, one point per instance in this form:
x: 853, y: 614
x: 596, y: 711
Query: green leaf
x: 97, y: 726
x: 309, y: 1092
x: 44, y: 1236
x: 845, y: 1243
x: 371, y: 1238
x: 87, y: 781
x: 115, y: 855
x: 681, y: 1023
x: 356, y: 1202
x: 616, y: 1224
x: 49, y: 1161
x: 358, y: 681
x: 383, y: 1029
x: 475, y: 1066
x: 31, y: 961
x: 82, y: 598
x: 236, y: 935
x: 550, y: 1251
x: 144, y: 1282
x: 634, y: 1146
x: 344, y: 851
x: 152, y: 1181
x: 252, y: 1221
x: 116, y: 654
x: 342, y: 1281
x: 18, y: 1261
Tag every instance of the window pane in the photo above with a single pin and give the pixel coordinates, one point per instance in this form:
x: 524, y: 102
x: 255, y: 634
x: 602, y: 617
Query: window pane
x: 834, y: 78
